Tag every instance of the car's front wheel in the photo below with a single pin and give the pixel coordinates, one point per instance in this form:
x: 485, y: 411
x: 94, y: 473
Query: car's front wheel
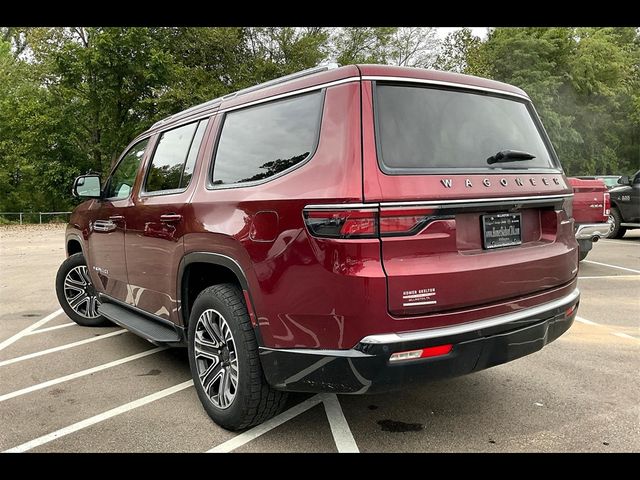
x: 223, y: 356
x: 76, y: 293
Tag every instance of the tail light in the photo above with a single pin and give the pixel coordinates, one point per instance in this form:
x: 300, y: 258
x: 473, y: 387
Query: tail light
x: 342, y: 223
x: 427, y: 352
x: 607, y: 204
x: 366, y: 223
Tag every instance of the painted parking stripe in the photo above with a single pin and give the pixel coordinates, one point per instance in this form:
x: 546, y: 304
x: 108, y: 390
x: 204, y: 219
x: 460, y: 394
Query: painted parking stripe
x: 608, y: 276
x: 30, y: 328
x: 61, y: 347
x: 612, y: 266
x: 99, y: 418
x: 79, y: 374
x: 342, y: 436
x: 48, y: 329
x: 624, y: 335
x: 588, y: 322
x: 269, y: 425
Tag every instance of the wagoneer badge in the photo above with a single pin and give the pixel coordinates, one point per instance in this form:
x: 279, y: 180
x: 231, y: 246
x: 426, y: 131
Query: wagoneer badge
x: 448, y: 182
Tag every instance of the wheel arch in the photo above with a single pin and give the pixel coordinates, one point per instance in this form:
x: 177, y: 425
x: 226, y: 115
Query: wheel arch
x: 225, y: 266
x: 73, y: 245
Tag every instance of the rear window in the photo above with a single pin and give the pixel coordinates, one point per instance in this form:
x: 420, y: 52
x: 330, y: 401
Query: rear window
x: 260, y: 142
x: 425, y: 128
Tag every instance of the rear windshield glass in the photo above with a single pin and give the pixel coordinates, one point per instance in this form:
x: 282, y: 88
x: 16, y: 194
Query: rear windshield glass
x: 421, y: 128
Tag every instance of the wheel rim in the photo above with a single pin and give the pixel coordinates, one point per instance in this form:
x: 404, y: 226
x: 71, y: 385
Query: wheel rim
x: 79, y: 293
x: 216, y: 358
x: 613, y: 225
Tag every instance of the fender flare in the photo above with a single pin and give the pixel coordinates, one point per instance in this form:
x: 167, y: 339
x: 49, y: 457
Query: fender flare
x: 77, y: 238
x: 214, y: 259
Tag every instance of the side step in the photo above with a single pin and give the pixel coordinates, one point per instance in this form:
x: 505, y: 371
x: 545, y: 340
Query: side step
x: 140, y: 325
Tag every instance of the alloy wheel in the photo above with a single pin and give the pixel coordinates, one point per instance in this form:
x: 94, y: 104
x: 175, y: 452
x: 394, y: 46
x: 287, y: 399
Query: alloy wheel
x: 216, y: 359
x: 79, y: 292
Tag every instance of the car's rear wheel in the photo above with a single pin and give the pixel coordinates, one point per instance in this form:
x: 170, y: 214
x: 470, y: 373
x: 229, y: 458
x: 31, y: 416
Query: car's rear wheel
x: 223, y: 356
x: 76, y: 293
x: 617, y: 230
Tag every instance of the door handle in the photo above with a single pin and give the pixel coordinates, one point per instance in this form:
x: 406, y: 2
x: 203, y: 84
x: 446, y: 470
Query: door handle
x: 116, y: 218
x: 170, y: 217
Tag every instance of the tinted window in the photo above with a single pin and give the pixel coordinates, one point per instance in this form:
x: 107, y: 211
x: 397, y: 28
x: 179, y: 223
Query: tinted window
x: 428, y: 128
x: 169, y: 159
x: 193, y: 154
x: 121, y: 181
x: 262, y: 141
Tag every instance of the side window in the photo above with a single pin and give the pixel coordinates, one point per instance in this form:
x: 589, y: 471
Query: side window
x: 120, y: 183
x: 176, y: 148
x: 262, y: 141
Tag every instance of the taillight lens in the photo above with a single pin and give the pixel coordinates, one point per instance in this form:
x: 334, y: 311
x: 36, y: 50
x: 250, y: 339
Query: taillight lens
x: 342, y: 223
x: 403, y: 222
x: 607, y: 204
x: 366, y: 223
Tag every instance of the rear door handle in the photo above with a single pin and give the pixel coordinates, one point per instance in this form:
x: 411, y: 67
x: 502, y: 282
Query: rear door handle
x: 170, y: 217
x: 116, y: 218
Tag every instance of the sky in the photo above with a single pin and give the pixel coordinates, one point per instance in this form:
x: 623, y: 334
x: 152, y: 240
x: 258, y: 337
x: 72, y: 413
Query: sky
x: 442, y: 32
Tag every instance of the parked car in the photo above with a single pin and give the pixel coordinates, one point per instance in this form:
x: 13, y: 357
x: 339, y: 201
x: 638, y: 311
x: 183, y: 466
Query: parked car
x: 625, y: 205
x: 610, y: 181
x: 591, y: 212
x: 347, y: 230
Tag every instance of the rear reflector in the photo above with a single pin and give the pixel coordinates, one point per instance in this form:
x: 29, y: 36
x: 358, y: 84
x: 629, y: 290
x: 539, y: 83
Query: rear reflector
x: 422, y: 353
x: 570, y: 310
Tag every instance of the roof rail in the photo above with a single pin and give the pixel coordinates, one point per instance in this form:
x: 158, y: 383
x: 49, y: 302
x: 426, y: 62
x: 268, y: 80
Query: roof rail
x: 260, y: 86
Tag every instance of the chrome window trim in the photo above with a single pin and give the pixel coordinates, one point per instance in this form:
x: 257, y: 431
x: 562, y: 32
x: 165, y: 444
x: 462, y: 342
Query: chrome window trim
x: 387, y: 338
x: 445, y: 84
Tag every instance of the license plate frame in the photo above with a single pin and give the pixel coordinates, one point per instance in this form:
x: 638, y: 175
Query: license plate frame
x: 505, y: 229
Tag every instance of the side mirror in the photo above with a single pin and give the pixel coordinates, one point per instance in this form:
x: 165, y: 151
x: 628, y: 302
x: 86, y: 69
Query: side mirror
x: 624, y: 180
x: 87, y: 186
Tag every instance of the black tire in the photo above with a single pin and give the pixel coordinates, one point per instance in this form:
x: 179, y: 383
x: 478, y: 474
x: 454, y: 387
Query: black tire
x: 582, y: 255
x: 618, y: 231
x: 254, y: 400
x: 89, y: 318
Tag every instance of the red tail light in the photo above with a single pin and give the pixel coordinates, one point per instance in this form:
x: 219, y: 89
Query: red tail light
x: 342, y: 223
x: 607, y: 204
x: 403, y: 222
x: 427, y: 352
x: 366, y: 222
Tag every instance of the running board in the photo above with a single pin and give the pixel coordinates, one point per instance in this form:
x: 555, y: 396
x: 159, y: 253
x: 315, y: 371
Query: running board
x: 632, y: 225
x: 140, y: 325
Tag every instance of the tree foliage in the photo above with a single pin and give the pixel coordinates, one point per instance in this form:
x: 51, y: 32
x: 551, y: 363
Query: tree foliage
x: 72, y: 98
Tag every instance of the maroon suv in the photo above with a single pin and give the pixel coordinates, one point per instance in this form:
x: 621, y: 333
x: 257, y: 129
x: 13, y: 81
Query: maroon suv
x: 345, y: 230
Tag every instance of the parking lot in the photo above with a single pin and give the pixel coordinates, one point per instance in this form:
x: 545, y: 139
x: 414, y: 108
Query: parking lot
x: 65, y: 388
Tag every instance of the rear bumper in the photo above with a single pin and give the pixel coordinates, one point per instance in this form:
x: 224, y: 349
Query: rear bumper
x: 366, y: 368
x: 587, y: 231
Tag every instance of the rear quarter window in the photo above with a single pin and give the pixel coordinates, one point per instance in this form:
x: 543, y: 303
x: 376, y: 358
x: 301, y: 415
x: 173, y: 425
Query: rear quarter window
x: 266, y: 140
x: 419, y: 128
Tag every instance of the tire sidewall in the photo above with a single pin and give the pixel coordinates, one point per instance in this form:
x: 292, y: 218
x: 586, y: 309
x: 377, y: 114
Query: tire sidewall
x: 232, y: 415
x: 618, y: 231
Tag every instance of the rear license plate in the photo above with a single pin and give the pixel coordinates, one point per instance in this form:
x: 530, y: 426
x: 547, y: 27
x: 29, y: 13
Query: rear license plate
x: 502, y: 230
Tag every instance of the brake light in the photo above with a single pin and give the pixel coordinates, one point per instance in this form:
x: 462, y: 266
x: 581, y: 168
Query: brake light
x: 427, y: 352
x: 607, y: 204
x: 342, y: 223
x: 403, y: 222
x: 366, y: 222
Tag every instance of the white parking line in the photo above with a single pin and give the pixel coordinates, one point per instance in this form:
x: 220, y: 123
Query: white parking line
x: 342, y: 436
x: 99, y: 418
x: 48, y: 329
x: 612, y: 266
x: 588, y: 322
x: 79, y: 374
x: 61, y: 347
x: 602, y: 276
x: 30, y: 328
x: 624, y: 335
x: 269, y: 425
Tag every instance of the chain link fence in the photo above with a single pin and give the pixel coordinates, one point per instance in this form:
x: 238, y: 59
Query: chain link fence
x: 33, y: 217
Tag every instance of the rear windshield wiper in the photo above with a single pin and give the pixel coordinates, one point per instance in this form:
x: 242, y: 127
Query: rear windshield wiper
x: 509, y: 156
